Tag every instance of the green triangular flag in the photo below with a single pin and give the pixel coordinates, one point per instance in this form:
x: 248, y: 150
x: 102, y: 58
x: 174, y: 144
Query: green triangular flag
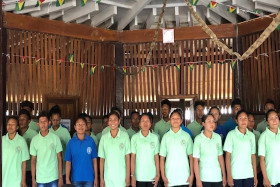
x: 83, y: 2
x: 92, y: 69
x: 71, y: 58
x: 39, y: 2
x: 102, y: 68
x: 212, y: 4
x: 209, y: 64
x: 233, y: 63
x: 20, y: 5
x: 98, y: 1
x: 60, y: 2
x: 191, y: 66
x: 166, y: 67
x: 193, y: 2
x: 178, y: 67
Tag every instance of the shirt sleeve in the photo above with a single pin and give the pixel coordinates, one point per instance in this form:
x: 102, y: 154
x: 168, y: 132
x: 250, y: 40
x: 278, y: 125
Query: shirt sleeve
x: 68, y: 155
x: 228, y: 143
x: 220, y: 146
x: 157, y: 145
x: 127, y: 145
x: 189, y: 145
x: 163, y: 150
x: 133, y: 145
x: 33, y: 150
x: 58, y: 145
x: 196, y: 148
x: 94, y: 150
x: 25, y: 153
x: 262, y: 146
x: 101, y: 153
x: 253, y: 144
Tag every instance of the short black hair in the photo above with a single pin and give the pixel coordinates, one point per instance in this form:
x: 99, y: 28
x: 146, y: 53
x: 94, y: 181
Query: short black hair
x: 114, y: 108
x: 177, y: 111
x: 134, y: 112
x: 114, y: 113
x: 55, y: 110
x: 199, y: 102
x: 214, y: 107
x: 268, y: 112
x: 85, y: 115
x: 82, y: 118
x: 27, y: 104
x: 149, y: 116
x: 204, y: 117
x: 15, y: 118
x: 166, y: 102
x: 239, y: 112
x: 236, y: 101
x: 269, y: 101
x: 43, y: 114
x: 24, y: 112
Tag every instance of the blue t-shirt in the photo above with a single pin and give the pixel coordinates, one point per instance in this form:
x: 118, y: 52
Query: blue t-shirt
x: 230, y: 124
x: 80, y: 153
x: 187, y: 130
x: 221, y: 131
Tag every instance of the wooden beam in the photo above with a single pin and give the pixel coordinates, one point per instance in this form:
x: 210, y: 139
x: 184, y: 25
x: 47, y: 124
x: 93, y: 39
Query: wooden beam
x: 167, y: 5
x: 213, y: 17
x: 273, y: 3
x: 265, y: 7
x: 56, y: 15
x: 177, y: 16
x: 83, y: 19
x: 246, y: 4
x: 225, y: 30
x: 130, y: 14
x: 151, y: 18
x: 106, y: 14
x: 78, y: 11
x: 28, y: 23
x: 118, y: 4
x: 242, y: 14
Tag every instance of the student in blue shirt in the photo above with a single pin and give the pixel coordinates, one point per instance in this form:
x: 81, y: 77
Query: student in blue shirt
x: 81, y: 158
x: 219, y: 129
x: 231, y: 123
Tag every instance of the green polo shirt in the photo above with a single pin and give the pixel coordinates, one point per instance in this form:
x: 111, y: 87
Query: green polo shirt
x: 28, y: 135
x: 195, y: 128
x: 114, y: 151
x: 161, y: 127
x: 64, y: 137
x: 130, y: 132
x: 257, y: 136
x: 241, y: 148
x: 261, y: 127
x: 207, y: 151
x: 107, y: 129
x: 269, y: 147
x: 176, y: 147
x: 14, y: 152
x: 34, y: 126
x: 99, y: 136
x: 96, y: 141
x: 45, y: 149
x: 145, y: 149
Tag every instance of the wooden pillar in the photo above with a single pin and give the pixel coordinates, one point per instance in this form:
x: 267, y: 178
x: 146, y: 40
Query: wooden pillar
x: 119, y: 77
x: 2, y: 82
x: 238, y: 71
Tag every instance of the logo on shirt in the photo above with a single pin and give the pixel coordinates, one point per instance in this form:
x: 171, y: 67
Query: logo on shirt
x: 152, y: 145
x: 18, y: 149
x: 51, y: 146
x: 121, y: 146
x: 89, y: 150
x: 183, y: 142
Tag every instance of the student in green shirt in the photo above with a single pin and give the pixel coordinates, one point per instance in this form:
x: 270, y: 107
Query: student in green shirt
x: 14, y: 156
x: 144, y: 155
x: 176, y: 160
x: 29, y: 106
x: 269, y: 151
x: 162, y: 126
x: 114, y: 153
x: 107, y: 129
x: 45, y: 151
x: 134, y: 128
x: 196, y: 126
x: 268, y: 105
x: 60, y: 131
x: 27, y: 133
x: 209, y: 165
x: 240, y: 148
x: 104, y: 125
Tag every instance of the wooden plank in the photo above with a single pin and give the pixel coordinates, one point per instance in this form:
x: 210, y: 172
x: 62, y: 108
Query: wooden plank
x: 8, y: 68
x: 34, y: 73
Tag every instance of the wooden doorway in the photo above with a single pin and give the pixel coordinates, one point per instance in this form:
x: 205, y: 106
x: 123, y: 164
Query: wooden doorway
x: 69, y: 107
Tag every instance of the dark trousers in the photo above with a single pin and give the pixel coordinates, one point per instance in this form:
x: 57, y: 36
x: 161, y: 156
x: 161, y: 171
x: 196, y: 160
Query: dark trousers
x: 277, y: 185
x: 243, y: 182
x: 212, y: 184
x: 28, y: 179
x: 144, y: 184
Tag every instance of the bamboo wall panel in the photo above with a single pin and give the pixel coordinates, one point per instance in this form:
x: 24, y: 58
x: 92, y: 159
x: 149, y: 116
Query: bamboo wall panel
x: 261, y: 78
x: 31, y: 80
x: 214, y: 85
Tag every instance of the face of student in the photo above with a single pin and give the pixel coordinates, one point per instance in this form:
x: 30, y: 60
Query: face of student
x: 80, y: 126
x: 242, y: 120
x: 215, y: 112
x: 251, y: 122
x: 209, y: 123
x: 89, y: 124
x: 23, y: 121
x: 273, y: 120
x: 236, y: 109
x: 43, y: 124
x: 268, y: 106
x: 12, y: 126
x: 175, y: 120
x: 105, y: 122
x: 55, y: 119
x: 114, y: 122
x: 199, y: 112
x: 145, y: 123
x: 135, y: 120
x: 165, y: 110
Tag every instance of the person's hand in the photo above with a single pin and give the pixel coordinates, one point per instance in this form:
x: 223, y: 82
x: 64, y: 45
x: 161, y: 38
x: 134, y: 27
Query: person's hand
x: 95, y: 182
x: 155, y: 181
x: 127, y: 181
x: 102, y: 183
x: 165, y: 181
x: 34, y: 183
x: 60, y: 181
x: 23, y: 184
x: 190, y: 180
x: 266, y: 182
x: 230, y: 181
x: 224, y: 181
x: 255, y: 181
x: 133, y: 181
x: 68, y: 181
x: 198, y: 183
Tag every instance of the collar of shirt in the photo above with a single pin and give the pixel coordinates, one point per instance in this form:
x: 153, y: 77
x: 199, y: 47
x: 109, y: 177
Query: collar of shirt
x: 46, y: 135
x: 15, y: 138
x: 239, y: 133
x: 118, y: 135
x: 141, y: 135
x: 206, y: 138
x: 76, y: 137
x: 179, y: 132
x: 272, y: 133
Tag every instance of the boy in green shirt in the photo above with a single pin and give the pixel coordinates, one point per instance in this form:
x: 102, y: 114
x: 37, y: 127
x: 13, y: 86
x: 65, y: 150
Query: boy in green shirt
x: 268, y: 105
x: 29, y: 106
x: 46, y: 162
x: 162, y: 126
x: 134, y: 128
x: 196, y: 126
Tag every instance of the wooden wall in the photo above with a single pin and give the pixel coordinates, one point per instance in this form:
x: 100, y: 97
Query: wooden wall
x: 28, y: 80
x: 261, y: 77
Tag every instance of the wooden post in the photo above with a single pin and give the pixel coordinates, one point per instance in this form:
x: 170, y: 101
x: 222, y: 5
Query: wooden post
x: 238, y: 71
x: 119, y: 77
x: 2, y: 82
